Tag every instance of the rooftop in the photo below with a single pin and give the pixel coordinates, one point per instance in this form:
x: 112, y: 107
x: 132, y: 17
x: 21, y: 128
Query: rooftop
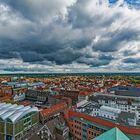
x: 114, y: 115
x: 61, y: 127
x: 110, y: 109
x: 125, y: 91
x: 84, y: 93
x: 54, y: 109
x: 14, y: 112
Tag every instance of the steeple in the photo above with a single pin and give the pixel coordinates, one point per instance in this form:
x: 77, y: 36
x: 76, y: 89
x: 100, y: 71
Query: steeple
x: 113, y: 134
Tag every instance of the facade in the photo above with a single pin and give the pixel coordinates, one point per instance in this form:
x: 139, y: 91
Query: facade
x: 53, y: 129
x: 90, y: 119
x: 51, y: 112
x: 109, y: 112
x: 61, y: 132
x: 35, y: 85
x: 36, y: 95
x: 129, y: 105
x: 15, y: 90
x: 83, y: 95
x: 15, y: 120
x: 73, y: 94
x: 6, y: 91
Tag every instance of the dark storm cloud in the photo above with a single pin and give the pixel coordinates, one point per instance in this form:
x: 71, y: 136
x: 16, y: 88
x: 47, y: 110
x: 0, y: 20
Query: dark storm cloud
x: 93, y: 62
x: 65, y: 56
x: 105, y: 57
x: 132, y: 60
x: 63, y: 32
x: 55, y: 51
x: 57, y: 43
x: 6, y: 55
x: 31, y: 57
x: 101, y: 60
x: 129, y: 52
x: 100, y: 63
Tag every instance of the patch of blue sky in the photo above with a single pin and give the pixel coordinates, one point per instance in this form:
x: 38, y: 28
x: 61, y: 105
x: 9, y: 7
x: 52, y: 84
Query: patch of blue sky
x: 131, y: 3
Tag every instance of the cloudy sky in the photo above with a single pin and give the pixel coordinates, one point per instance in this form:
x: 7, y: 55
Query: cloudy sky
x: 69, y: 35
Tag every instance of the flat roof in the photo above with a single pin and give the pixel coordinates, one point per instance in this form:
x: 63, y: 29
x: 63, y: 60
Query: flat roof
x: 125, y: 91
x: 94, y: 109
x: 61, y: 127
x: 110, y: 109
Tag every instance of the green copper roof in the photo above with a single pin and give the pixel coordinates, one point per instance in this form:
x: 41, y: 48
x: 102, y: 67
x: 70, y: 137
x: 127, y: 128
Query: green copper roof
x: 113, y: 134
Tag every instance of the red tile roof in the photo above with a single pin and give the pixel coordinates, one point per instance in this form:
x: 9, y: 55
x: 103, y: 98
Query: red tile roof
x: 54, y: 109
x: 138, y: 85
x: 4, y: 98
x: 84, y: 93
x: 57, y: 89
x: 25, y: 103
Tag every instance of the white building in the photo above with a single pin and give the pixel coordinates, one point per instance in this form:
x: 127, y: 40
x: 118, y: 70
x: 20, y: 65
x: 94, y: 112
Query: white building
x: 109, y: 112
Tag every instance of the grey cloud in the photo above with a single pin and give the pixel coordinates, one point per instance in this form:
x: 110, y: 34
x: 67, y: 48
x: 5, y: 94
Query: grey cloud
x: 101, y: 60
x: 129, y: 53
x: 93, y: 62
x: 31, y: 57
x: 65, y: 56
x: 39, y: 10
x: 106, y: 57
x: 40, y: 32
x: 115, y: 40
x: 80, y: 17
x: 131, y: 60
